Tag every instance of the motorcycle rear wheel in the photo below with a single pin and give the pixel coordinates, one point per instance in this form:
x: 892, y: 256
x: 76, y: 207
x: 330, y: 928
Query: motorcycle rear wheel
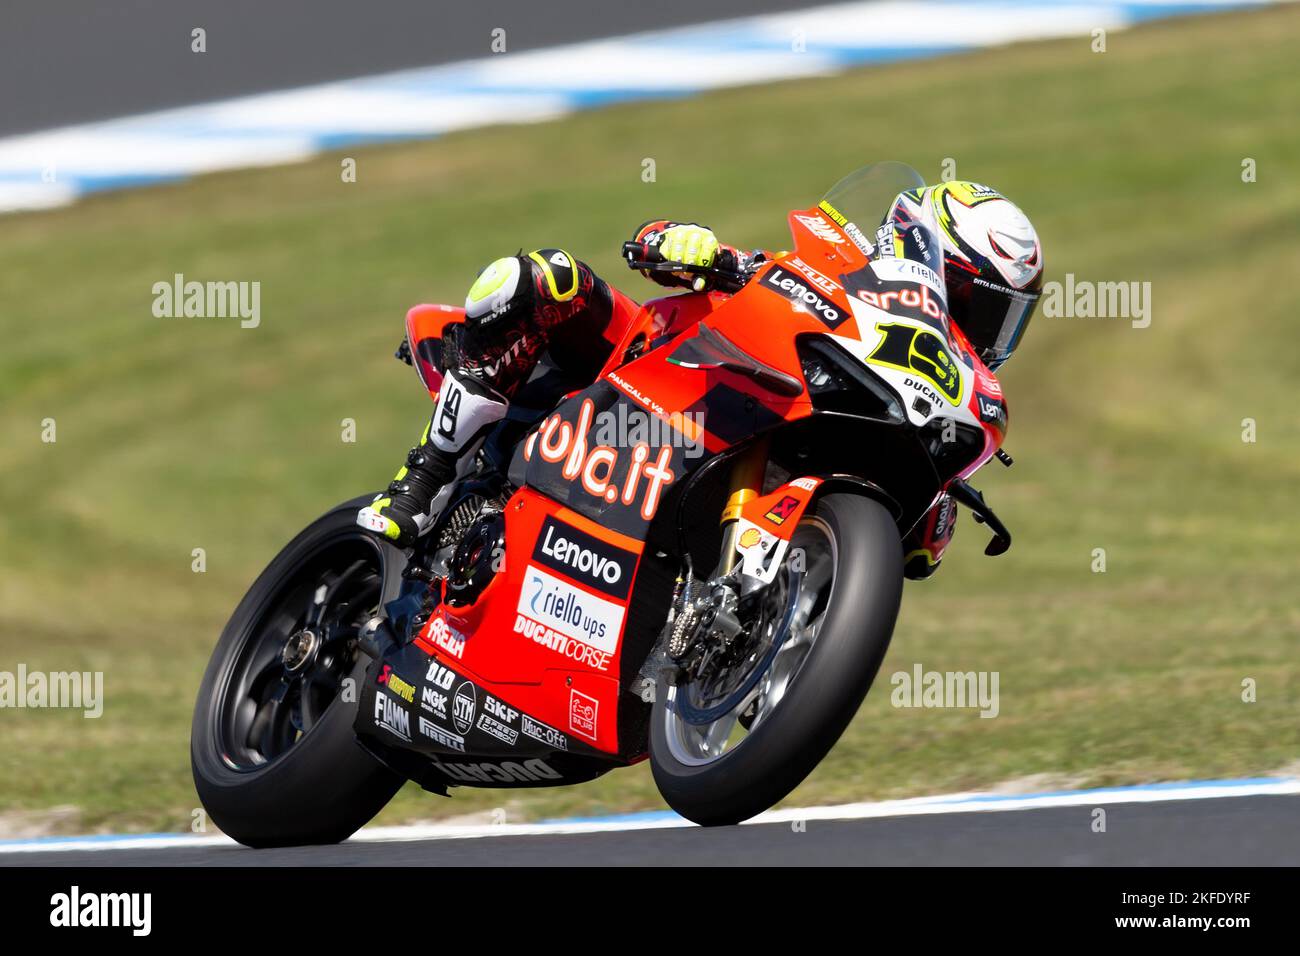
x: 842, y: 611
x: 272, y: 749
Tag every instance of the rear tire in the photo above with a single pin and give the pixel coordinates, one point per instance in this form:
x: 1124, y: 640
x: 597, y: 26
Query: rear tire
x: 307, y: 781
x: 824, y: 693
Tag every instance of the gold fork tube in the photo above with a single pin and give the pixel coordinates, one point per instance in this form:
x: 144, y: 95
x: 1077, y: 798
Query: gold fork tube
x: 746, y: 485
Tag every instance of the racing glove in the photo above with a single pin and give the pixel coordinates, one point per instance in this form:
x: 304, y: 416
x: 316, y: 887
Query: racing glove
x: 689, y: 244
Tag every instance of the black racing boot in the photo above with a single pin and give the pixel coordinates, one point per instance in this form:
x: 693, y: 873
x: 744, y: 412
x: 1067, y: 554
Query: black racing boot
x: 402, y: 512
x: 466, y: 410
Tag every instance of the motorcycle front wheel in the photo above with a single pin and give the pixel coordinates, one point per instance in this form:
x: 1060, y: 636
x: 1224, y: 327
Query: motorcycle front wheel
x: 729, y: 746
x: 272, y: 749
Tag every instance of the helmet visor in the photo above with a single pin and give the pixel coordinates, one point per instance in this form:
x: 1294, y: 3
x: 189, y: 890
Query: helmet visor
x: 994, y: 318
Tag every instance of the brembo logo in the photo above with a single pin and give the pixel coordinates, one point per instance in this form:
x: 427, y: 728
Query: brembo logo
x: 797, y: 289
x: 580, y: 556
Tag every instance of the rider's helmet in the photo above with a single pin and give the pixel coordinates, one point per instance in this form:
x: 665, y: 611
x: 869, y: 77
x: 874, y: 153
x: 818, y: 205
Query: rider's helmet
x: 993, y: 262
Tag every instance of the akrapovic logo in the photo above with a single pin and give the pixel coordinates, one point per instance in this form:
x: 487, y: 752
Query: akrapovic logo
x: 578, y: 555
x: 799, y: 290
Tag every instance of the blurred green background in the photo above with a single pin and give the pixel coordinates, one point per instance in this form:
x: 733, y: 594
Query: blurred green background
x: 175, y: 434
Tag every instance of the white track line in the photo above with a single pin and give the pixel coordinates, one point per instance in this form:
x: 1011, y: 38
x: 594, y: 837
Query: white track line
x: 917, y: 806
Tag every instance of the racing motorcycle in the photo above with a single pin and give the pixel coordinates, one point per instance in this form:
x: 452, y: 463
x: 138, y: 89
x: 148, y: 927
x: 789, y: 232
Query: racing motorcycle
x: 695, y: 560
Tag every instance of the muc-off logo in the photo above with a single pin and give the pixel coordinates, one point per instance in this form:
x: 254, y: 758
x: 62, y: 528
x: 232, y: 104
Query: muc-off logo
x: 798, y: 290
x: 579, y: 556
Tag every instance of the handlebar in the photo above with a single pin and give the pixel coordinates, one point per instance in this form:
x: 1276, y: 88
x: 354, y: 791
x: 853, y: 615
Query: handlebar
x: 725, y: 273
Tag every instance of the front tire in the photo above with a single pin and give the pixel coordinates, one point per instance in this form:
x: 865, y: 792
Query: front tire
x: 712, y: 781
x: 272, y: 749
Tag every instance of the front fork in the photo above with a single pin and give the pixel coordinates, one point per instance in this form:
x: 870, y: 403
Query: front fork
x: 746, y: 485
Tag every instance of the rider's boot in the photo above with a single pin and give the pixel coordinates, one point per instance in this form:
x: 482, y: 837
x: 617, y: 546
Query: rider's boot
x: 466, y: 410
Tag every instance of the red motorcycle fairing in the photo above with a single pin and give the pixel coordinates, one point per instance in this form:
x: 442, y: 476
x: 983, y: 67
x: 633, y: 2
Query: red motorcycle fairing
x: 424, y: 325
x: 528, y: 685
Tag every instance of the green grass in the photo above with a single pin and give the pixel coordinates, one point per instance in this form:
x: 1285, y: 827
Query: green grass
x: 186, y: 433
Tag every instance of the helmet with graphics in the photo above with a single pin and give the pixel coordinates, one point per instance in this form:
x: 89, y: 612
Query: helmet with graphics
x: 992, y: 262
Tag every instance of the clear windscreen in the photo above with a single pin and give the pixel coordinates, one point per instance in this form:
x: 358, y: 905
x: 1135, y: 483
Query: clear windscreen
x: 865, y: 195
x: 882, y: 201
x: 888, y: 194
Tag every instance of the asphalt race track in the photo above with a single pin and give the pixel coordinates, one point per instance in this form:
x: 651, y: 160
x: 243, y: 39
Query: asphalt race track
x: 1230, y: 831
x: 62, y: 64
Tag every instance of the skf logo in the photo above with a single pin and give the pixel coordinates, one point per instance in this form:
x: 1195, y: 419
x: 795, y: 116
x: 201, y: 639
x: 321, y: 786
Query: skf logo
x: 782, y: 510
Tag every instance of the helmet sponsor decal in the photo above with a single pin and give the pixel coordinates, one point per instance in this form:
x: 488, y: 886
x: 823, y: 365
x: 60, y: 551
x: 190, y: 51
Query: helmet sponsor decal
x: 492, y: 292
